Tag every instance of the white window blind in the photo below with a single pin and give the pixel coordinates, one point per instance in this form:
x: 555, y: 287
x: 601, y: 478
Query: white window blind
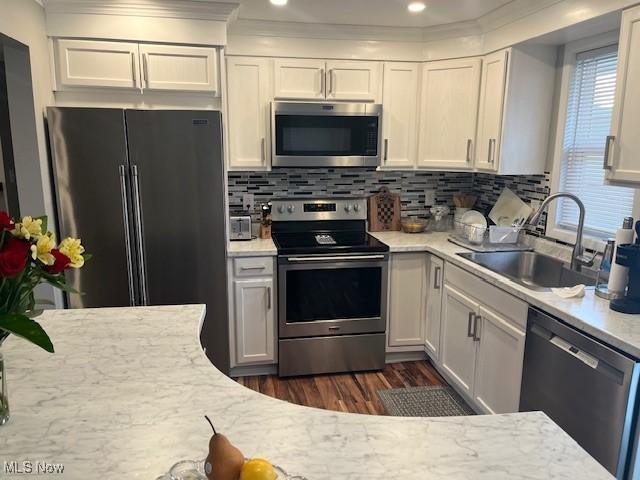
x: 589, y: 109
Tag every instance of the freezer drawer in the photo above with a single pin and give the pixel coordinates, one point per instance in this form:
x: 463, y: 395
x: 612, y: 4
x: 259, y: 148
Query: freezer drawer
x: 584, y: 386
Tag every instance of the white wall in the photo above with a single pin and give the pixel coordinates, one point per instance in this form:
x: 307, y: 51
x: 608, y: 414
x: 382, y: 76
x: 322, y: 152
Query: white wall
x: 24, y: 21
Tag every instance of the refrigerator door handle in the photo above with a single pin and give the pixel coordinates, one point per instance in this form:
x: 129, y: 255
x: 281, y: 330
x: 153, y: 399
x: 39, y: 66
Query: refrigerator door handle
x: 127, y: 233
x: 139, y: 235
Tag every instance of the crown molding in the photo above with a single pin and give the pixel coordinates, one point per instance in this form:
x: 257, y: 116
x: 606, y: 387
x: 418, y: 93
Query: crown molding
x: 512, y: 11
x: 185, y: 9
x: 270, y: 28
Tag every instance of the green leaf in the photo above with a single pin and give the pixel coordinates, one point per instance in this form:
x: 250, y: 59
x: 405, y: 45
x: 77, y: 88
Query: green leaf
x: 28, y: 329
x: 87, y: 256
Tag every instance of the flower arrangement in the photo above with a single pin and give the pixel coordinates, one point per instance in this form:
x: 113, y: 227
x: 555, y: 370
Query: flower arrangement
x: 29, y: 256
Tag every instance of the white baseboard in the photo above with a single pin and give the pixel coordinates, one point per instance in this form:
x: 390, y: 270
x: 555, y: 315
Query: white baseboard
x: 395, y: 357
x: 253, y: 370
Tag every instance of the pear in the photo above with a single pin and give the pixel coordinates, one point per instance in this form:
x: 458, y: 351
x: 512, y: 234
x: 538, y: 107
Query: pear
x: 224, y: 461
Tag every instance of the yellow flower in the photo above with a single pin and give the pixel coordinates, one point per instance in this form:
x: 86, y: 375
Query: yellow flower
x: 41, y: 250
x: 72, y: 248
x: 28, y: 228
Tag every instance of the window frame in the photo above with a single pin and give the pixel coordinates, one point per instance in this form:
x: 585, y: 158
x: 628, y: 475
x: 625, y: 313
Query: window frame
x: 571, y: 51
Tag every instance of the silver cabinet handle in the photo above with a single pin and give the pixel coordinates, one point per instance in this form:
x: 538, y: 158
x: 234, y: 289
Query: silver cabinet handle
x: 127, y: 234
x: 491, y: 152
x: 470, y: 332
x: 253, y: 268
x: 469, y: 141
x: 330, y: 74
x: 139, y: 235
x: 386, y: 149
x: 134, y: 70
x: 268, y: 298
x: 607, y: 151
x: 263, y: 143
x: 476, y: 330
x: 145, y: 69
x: 436, y: 278
x: 322, y: 82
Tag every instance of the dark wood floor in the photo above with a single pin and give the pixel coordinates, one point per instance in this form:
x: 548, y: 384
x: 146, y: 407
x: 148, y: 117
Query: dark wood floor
x: 351, y: 392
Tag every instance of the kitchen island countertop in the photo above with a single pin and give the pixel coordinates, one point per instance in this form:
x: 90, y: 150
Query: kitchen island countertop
x: 125, y: 393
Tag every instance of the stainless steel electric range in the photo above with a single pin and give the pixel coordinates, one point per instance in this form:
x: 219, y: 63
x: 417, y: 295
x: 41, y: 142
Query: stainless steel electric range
x: 332, y: 284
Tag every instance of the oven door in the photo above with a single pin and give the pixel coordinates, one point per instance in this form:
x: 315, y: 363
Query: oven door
x: 332, y: 295
x: 326, y: 135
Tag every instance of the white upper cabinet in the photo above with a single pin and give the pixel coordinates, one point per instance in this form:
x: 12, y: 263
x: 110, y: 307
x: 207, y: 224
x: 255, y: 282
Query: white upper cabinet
x: 169, y: 67
x: 299, y: 79
x: 87, y: 63
x: 248, y: 112
x: 516, y: 94
x: 448, y: 113
x: 308, y: 79
x: 435, y: 286
x: 354, y: 80
x: 400, y: 92
x: 493, y: 86
x: 622, y: 162
x: 406, y: 299
x: 499, y: 363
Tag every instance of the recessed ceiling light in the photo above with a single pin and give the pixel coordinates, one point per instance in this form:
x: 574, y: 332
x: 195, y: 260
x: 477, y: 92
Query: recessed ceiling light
x: 416, y: 7
x: 279, y: 3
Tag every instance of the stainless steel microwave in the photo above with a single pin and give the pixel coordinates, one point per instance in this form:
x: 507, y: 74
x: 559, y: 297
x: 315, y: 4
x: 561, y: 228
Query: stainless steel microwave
x: 326, y: 134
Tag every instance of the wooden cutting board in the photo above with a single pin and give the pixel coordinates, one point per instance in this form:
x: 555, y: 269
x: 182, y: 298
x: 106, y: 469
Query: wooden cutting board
x: 384, y: 211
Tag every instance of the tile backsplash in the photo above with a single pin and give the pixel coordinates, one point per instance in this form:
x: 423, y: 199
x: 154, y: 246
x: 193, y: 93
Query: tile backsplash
x: 362, y: 182
x: 351, y: 182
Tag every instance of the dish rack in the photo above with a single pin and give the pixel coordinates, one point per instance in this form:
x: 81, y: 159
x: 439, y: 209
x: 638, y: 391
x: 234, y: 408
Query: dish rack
x: 487, y: 239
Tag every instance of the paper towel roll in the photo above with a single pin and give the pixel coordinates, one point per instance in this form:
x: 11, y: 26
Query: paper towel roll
x: 619, y: 275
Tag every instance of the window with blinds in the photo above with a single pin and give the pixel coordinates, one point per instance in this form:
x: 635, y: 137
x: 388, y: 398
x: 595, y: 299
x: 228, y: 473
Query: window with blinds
x: 589, y: 109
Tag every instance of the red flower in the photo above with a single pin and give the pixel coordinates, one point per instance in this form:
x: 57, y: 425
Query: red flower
x: 62, y: 262
x: 5, y: 221
x: 13, y: 257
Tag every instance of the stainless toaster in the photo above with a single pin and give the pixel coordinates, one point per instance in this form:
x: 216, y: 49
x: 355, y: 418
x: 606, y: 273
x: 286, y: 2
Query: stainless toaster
x: 240, y: 227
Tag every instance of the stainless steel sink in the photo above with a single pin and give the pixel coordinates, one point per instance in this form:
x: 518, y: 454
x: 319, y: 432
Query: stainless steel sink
x: 532, y: 270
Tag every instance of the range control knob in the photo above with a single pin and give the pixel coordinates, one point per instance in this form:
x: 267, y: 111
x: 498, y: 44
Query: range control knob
x: 281, y: 209
x: 291, y: 208
x: 347, y: 208
x: 356, y: 207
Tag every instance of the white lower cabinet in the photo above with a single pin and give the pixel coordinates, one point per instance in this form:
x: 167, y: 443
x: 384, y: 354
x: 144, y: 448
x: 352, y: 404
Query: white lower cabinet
x: 253, y: 319
x: 407, y: 280
x: 482, y: 341
x: 458, y: 346
x: 435, y: 282
x: 499, y: 363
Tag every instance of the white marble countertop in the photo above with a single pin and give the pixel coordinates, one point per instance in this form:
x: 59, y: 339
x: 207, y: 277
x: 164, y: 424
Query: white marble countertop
x: 257, y: 247
x: 590, y: 314
x: 124, y: 395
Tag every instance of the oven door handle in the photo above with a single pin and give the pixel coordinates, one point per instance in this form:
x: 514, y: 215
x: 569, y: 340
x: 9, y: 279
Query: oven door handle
x: 335, y: 259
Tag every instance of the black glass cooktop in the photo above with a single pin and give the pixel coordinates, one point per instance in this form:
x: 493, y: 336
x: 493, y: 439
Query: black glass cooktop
x: 327, y: 241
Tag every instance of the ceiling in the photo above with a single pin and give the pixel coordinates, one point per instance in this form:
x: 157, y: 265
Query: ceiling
x: 391, y: 13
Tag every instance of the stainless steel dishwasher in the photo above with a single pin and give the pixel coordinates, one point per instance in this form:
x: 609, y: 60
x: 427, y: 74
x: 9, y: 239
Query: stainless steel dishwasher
x: 586, y: 387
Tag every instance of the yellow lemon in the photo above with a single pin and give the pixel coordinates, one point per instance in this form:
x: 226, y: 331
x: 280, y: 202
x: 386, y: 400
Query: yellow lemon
x: 258, y: 469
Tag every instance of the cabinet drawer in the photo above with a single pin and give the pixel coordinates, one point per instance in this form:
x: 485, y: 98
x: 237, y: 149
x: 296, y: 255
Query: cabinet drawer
x: 494, y: 298
x: 253, y: 266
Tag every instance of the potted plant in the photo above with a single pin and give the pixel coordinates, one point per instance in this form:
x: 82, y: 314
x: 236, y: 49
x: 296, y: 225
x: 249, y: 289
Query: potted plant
x: 29, y: 256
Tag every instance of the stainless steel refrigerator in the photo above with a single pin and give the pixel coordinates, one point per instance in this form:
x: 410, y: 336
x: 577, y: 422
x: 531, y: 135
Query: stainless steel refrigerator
x: 144, y: 189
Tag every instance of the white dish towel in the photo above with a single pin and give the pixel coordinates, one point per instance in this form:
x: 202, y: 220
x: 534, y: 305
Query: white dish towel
x: 570, y: 292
